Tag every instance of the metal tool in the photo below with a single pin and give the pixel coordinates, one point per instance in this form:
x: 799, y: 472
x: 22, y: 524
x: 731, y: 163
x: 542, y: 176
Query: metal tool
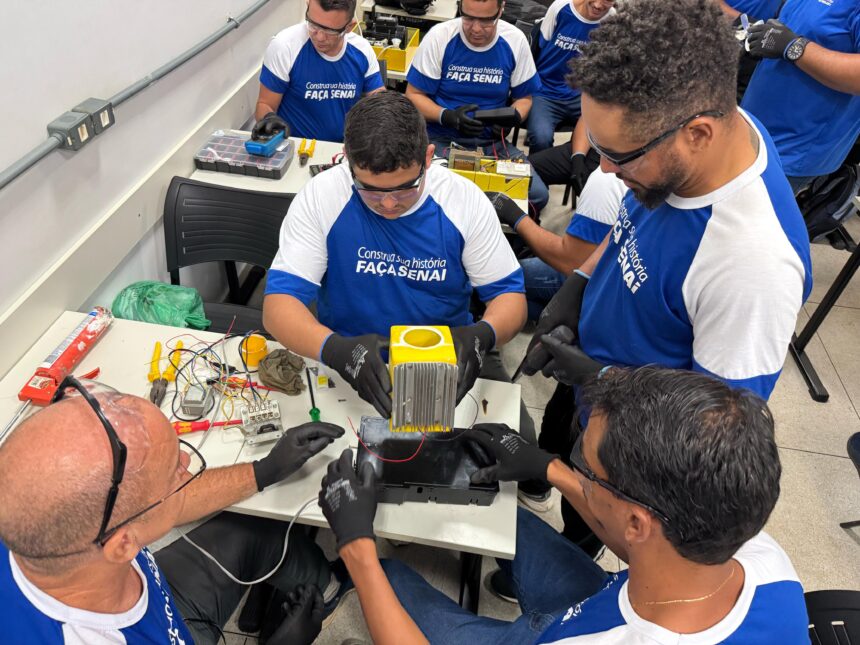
x: 40, y: 388
x: 539, y: 356
x: 159, y: 381
x: 314, y: 411
x: 306, y: 151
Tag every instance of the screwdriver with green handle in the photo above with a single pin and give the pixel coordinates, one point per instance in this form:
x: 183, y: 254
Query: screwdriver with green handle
x: 314, y: 411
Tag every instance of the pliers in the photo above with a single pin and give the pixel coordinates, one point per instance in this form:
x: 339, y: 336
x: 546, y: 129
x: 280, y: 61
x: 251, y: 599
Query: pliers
x: 159, y: 381
x: 306, y: 151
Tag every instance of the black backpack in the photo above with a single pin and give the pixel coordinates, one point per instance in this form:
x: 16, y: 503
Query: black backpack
x: 828, y: 200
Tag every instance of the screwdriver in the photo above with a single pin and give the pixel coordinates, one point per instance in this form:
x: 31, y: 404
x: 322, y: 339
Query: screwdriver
x: 539, y: 356
x: 314, y: 411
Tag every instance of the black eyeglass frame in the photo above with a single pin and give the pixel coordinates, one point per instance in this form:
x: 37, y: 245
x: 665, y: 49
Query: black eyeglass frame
x: 119, y: 454
x: 633, y: 155
x: 326, y: 30
x: 577, y: 460
x: 372, y: 189
x: 483, y: 22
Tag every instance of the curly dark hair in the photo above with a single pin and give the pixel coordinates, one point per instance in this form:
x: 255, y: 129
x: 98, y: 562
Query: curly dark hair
x: 385, y: 132
x: 662, y: 62
x: 694, y: 448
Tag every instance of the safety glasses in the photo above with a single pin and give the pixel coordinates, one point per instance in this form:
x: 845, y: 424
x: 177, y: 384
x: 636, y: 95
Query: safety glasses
x: 196, y: 463
x: 316, y: 28
x: 577, y: 460
x: 621, y: 159
x: 483, y: 23
x: 401, y: 193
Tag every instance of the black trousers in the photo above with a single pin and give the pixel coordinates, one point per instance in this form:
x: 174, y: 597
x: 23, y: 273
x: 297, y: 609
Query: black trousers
x: 249, y: 547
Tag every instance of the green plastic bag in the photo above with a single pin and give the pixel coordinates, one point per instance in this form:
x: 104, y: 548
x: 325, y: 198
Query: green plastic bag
x: 165, y: 304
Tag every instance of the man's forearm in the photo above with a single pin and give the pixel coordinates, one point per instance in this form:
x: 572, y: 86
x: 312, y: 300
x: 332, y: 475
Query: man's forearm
x: 506, y: 314
x: 836, y: 70
x: 217, y: 489
x: 730, y: 11
x: 425, y: 105
x: 290, y: 322
x: 579, y: 138
x: 523, y: 106
x: 263, y: 109
x: 591, y: 263
x: 564, y: 253
x: 386, y: 619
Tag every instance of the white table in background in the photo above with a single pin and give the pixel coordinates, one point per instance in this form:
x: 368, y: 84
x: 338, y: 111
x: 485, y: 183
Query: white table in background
x: 123, y: 356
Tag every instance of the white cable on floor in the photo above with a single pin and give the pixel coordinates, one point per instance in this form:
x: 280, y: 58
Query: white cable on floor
x: 273, y: 571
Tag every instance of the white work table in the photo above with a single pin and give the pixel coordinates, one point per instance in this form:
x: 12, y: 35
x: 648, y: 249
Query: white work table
x: 123, y: 356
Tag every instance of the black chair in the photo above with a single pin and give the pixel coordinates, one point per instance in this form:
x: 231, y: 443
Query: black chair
x: 208, y: 223
x: 854, y: 455
x: 834, y: 617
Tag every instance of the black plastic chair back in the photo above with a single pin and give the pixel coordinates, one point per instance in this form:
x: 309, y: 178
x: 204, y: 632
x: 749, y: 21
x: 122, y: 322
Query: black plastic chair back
x: 834, y: 617
x: 207, y: 223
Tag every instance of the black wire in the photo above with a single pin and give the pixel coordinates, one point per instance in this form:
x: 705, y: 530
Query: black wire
x: 179, y: 372
x: 248, y: 380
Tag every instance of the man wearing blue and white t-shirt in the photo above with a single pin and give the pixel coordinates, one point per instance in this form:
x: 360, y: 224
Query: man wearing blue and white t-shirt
x: 474, y: 62
x: 314, y: 72
x: 388, y: 239
x: 89, y: 481
x: 558, y: 255
x: 676, y: 472
x: 565, y: 28
x: 806, y: 91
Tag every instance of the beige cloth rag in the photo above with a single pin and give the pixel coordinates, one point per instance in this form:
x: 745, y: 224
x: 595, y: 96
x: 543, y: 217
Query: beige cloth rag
x: 283, y: 371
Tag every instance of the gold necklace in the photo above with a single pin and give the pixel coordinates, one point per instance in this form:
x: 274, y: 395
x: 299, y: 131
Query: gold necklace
x: 685, y: 600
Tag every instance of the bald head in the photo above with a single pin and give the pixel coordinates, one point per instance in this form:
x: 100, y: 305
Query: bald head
x: 55, y: 473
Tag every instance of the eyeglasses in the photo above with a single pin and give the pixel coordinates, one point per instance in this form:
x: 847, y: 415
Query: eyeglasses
x: 625, y: 158
x: 577, y: 460
x: 484, y: 23
x: 316, y: 28
x: 401, y: 193
x: 196, y: 466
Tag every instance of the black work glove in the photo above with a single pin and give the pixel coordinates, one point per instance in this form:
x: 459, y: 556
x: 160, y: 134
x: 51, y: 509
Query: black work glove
x: 563, y: 309
x: 292, y: 450
x: 578, y: 172
x: 769, y: 39
x: 516, y: 459
x: 506, y: 209
x: 501, y: 130
x: 358, y: 360
x: 569, y: 364
x: 269, y: 125
x: 471, y: 342
x: 348, y: 501
x: 303, y: 616
x: 462, y: 122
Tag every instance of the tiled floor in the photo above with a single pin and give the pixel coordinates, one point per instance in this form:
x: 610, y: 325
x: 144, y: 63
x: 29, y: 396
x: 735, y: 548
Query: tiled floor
x: 820, y: 487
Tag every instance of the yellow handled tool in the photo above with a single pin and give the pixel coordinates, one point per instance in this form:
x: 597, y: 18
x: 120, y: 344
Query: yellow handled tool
x: 170, y: 372
x: 154, y: 370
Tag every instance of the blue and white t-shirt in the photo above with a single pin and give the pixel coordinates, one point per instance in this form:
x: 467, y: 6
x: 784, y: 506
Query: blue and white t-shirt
x: 816, y: 133
x: 769, y: 610
x: 29, y: 615
x: 318, y: 90
x: 711, y: 283
x: 368, y: 273
x: 453, y: 73
x: 563, y: 32
x: 756, y: 9
x: 597, y: 207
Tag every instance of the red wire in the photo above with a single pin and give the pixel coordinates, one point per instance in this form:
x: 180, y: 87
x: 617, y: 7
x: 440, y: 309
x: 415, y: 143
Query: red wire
x: 381, y: 458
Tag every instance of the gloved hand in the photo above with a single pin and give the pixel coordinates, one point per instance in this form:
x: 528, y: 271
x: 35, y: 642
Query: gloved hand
x: 569, y: 364
x: 269, y: 125
x: 348, y: 501
x: 358, y: 360
x: 303, y: 617
x: 292, y: 450
x: 501, y: 130
x: 506, y: 209
x: 471, y: 342
x: 563, y: 309
x: 578, y: 172
x: 769, y: 39
x: 462, y: 122
x: 517, y: 459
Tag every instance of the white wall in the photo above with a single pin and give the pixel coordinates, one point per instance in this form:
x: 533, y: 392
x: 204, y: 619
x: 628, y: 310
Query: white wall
x: 91, y: 214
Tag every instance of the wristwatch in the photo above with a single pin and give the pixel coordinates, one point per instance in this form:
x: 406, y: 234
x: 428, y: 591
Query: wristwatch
x: 795, y: 49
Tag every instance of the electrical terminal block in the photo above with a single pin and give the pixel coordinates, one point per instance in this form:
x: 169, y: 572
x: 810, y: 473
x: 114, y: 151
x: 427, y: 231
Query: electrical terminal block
x: 261, y: 422
x: 514, y: 168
